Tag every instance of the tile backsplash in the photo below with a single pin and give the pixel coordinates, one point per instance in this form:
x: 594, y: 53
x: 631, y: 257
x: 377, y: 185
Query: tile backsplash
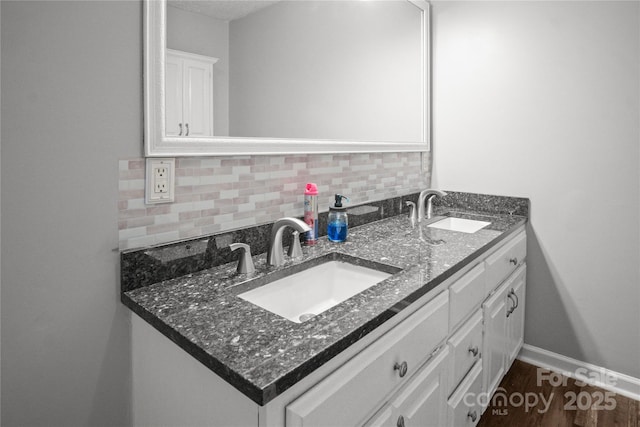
x: 215, y: 194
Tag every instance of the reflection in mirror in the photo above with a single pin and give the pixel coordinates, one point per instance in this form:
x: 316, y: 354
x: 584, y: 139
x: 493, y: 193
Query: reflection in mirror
x: 241, y: 77
x: 308, y: 69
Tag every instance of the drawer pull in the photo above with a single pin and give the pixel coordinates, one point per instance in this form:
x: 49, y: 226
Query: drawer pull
x: 400, y: 422
x: 401, y: 368
x: 514, y: 260
x: 512, y: 292
x: 516, y: 302
x: 474, y: 351
x: 473, y: 415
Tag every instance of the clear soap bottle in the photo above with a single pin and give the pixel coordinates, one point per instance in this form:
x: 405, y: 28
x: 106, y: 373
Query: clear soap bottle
x: 337, y: 221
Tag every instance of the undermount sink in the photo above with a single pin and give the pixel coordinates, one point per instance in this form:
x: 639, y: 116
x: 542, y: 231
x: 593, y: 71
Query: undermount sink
x: 459, y: 224
x: 307, y: 293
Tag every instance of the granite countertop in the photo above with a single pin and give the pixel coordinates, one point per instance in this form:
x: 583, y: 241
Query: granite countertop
x: 263, y: 354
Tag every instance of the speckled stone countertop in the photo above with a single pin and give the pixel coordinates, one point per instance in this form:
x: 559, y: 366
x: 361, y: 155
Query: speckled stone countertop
x: 263, y: 354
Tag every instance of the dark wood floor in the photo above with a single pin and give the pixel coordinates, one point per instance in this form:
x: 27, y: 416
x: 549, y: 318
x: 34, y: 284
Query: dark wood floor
x: 539, y: 400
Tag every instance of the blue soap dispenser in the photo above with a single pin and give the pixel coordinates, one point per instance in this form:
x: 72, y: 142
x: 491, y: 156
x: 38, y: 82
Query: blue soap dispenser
x: 337, y: 221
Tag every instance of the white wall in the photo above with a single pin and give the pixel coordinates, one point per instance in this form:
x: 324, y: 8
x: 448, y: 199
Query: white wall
x: 541, y: 100
x: 71, y: 107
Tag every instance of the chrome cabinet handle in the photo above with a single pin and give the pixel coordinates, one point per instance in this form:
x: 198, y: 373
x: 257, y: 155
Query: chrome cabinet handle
x: 180, y: 125
x: 400, y: 422
x: 187, y: 126
x: 401, y: 368
x: 509, y: 295
x: 513, y: 260
x: 473, y: 415
x: 474, y: 351
x: 516, y: 297
x: 516, y: 302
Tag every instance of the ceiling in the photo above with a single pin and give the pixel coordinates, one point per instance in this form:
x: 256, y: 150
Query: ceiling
x: 225, y: 10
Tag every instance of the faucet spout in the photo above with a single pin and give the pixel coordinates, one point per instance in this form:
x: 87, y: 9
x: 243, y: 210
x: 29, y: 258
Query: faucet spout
x: 424, y: 202
x: 275, y: 254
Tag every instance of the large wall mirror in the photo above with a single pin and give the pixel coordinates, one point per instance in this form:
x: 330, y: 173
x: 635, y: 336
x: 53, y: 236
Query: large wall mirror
x: 284, y: 77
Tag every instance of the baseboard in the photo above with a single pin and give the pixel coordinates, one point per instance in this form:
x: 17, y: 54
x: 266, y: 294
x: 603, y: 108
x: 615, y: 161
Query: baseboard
x: 622, y: 384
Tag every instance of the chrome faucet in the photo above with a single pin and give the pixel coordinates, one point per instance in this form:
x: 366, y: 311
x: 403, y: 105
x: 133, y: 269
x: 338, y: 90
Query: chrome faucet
x: 275, y: 254
x: 424, y: 202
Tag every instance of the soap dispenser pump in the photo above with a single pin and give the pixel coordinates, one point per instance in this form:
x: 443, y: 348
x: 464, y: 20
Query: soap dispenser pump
x: 337, y: 221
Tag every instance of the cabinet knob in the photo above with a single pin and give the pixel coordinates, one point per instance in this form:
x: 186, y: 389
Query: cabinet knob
x: 400, y: 422
x: 514, y: 260
x: 474, y: 351
x: 473, y: 415
x: 401, y: 368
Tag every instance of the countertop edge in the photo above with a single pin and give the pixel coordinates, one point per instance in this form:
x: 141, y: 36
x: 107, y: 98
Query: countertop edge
x: 236, y: 380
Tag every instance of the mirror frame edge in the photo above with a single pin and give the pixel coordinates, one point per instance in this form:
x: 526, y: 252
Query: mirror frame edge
x: 156, y: 144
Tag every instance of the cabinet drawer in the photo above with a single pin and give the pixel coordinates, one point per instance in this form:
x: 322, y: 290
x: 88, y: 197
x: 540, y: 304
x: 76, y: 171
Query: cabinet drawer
x: 422, y: 402
x: 465, y: 405
x: 355, y: 389
x: 505, y: 261
x: 466, y: 294
x: 466, y: 347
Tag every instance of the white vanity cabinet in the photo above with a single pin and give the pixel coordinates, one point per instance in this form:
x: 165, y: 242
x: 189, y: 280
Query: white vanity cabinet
x: 355, y: 390
x: 189, y: 94
x: 431, y: 364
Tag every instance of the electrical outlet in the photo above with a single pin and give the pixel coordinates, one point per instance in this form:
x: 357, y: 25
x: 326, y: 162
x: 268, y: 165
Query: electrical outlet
x: 160, y: 172
x: 160, y: 182
x: 161, y: 187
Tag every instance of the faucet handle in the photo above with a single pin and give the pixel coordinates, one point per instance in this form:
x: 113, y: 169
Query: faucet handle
x: 245, y: 263
x: 295, y: 251
x: 413, y: 215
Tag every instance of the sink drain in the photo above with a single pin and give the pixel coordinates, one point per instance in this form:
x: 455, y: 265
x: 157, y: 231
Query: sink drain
x: 305, y: 317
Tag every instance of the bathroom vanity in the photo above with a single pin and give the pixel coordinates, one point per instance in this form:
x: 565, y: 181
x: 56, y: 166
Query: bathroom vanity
x: 426, y: 346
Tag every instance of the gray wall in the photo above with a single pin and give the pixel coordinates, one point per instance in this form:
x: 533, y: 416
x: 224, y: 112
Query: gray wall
x: 542, y: 99
x: 71, y: 106
x: 549, y: 112
x: 327, y: 70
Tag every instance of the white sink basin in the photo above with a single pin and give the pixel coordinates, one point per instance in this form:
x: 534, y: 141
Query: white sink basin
x: 302, y: 295
x: 459, y: 224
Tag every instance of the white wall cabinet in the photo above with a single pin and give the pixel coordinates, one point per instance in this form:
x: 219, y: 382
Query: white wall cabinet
x: 189, y: 94
x: 417, y: 369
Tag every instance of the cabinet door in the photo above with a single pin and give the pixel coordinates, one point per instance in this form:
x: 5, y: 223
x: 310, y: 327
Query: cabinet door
x: 385, y: 417
x: 465, y: 404
x: 173, y: 96
x: 423, y: 402
x: 515, y: 321
x: 466, y: 349
x: 197, y: 98
x: 495, y: 345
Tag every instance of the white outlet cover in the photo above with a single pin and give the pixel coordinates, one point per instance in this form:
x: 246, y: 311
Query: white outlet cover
x: 155, y: 180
